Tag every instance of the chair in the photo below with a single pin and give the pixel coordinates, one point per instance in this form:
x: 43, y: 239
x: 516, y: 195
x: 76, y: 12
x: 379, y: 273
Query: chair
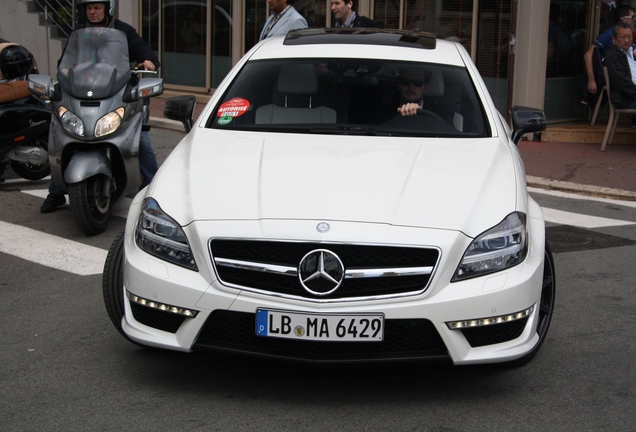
x: 599, y: 102
x: 297, y: 82
x: 615, y: 113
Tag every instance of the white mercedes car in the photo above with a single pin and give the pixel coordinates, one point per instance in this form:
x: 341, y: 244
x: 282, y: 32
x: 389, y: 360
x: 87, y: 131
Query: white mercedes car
x: 304, y: 217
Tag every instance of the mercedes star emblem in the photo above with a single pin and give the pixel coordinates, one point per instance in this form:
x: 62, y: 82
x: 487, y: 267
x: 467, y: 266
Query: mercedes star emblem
x: 321, y: 272
x: 323, y: 227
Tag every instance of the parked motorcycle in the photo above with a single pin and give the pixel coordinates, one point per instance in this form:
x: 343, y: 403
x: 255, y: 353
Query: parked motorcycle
x: 99, y: 110
x: 24, y: 117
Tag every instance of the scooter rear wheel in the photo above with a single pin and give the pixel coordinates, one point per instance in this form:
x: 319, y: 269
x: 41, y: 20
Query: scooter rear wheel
x: 33, y: 172
x: 91, y: 204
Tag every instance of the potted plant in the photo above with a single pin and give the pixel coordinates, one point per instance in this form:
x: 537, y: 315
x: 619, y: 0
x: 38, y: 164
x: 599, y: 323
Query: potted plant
x: 65, y: 19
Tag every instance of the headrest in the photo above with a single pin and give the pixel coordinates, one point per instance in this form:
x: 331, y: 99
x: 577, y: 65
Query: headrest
x: 435, y: 85
x: 298, y: 79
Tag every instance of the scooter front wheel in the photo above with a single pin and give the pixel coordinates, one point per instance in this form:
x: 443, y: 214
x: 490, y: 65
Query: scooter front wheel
x: 91, y: 204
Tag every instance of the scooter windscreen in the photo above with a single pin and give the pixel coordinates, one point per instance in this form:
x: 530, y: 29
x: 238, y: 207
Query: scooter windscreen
x: 95, y: 63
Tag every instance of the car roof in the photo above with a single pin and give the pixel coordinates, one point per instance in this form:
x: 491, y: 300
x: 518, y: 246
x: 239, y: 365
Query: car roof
x: 360, y: 43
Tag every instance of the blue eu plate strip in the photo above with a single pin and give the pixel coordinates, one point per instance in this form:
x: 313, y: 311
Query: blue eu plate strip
x: 261, y: 322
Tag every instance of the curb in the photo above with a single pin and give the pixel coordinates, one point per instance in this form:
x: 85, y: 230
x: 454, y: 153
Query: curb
x: 165, y: 123
x: 581, y: 189
x: 537, y: 182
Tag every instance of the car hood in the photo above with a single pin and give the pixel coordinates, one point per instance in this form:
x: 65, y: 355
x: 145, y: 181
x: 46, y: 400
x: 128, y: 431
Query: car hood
x: 456, y: 184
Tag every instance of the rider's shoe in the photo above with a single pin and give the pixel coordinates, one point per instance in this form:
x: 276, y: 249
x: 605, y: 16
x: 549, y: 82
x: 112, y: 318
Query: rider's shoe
x: 52, y: 202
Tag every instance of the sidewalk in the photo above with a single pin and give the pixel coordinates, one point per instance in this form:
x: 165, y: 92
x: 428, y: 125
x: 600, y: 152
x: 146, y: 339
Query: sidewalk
x: 570, y: 167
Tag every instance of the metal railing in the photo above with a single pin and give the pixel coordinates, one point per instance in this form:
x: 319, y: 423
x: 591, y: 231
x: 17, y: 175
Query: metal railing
x: 59, y: 13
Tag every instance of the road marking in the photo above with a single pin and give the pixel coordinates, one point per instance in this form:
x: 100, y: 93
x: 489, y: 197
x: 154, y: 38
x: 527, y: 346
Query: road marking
x: 561, y: 194
x: 119, y: 210
x: 551, y: 215
x: 25, y: 181
x: 580, y: 220
x: 78, y: 258
x: 51, y: 251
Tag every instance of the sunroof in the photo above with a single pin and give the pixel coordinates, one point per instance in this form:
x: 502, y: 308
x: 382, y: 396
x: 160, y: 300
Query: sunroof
x: 361, y: 36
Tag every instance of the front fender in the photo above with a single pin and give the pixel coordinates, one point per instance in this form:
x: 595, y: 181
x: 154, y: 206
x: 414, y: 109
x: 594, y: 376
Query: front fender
x: 85, y: 164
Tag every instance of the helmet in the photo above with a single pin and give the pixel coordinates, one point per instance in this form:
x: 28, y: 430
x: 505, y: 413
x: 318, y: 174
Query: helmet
x: 15, y: 61
x: 110, y: 6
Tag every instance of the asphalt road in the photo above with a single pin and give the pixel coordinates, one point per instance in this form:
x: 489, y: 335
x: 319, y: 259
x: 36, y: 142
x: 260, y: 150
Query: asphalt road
x: 64, y: 367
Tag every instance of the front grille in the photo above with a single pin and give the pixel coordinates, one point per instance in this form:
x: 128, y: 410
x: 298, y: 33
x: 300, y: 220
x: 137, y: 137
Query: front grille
x: 494, y: 334
x: 289, y: 254
x: 156, y: 318
x: 403, y: 339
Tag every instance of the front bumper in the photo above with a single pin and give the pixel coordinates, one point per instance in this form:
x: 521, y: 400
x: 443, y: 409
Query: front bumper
x: 416, y: 325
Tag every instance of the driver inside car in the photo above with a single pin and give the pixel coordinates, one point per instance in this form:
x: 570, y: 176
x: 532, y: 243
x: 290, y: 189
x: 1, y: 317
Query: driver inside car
x: 412, y: 84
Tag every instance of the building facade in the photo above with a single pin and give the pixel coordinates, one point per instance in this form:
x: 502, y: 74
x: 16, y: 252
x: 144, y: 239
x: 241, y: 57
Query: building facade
x: 528, y: 51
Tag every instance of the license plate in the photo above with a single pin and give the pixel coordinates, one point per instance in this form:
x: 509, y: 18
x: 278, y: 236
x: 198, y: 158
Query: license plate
x: 307, y: 326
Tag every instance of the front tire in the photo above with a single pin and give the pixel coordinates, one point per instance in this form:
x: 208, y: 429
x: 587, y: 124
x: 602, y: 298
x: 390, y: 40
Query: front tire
x: 113, y: 283
x: 91, y: 204
x: 546, y: 307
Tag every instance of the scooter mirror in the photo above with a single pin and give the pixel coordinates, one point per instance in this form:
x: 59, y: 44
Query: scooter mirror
x: 43, y: 85
x: 149, y: 87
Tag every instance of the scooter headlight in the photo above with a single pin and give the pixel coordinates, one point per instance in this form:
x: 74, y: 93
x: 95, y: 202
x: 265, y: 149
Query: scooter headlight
x: 161, y: 236
x: 503, y: 246
x: 109, y: 123
x: 71, y: 122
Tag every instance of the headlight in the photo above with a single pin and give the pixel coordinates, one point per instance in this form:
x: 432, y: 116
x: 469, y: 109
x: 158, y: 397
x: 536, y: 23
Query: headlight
x: 501, y: 247
x: 161, y: 236
x: 71, y: 122
x: 109, y: 123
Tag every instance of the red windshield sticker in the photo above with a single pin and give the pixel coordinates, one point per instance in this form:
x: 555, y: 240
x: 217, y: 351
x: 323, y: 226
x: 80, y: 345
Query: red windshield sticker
x: 233, y: 108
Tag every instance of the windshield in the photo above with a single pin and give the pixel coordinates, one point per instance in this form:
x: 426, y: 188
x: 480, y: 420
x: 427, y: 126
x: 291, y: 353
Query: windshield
x: 95, y: 63
x: 351, y: 96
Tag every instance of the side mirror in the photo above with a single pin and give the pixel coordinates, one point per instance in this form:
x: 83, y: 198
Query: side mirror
x: 181, y: 108
x: 43, y: 85
x: 526, y: 119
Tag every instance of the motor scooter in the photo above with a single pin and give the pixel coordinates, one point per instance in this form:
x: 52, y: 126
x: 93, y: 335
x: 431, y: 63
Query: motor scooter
x: 24, y: 117
x: 99, y: 111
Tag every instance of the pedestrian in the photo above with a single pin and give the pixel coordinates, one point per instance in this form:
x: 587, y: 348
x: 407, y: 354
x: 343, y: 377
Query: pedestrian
x: 621, y: 67
x: 100, y: 13
x: 283, y: 19
x: 602, y: 44
x: 345, y: 16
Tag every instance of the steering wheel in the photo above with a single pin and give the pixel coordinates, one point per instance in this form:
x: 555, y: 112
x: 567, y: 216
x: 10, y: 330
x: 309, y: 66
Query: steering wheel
x: 421, y: 111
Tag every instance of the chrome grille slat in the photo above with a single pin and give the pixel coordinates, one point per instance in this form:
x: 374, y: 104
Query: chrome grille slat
x: 370, y: 270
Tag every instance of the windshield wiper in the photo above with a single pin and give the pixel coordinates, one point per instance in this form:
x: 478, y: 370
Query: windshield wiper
x: 349, y: 130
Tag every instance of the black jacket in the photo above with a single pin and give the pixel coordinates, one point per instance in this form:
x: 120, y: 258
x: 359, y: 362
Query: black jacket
x: 622, y: 87
x: 362, y: 21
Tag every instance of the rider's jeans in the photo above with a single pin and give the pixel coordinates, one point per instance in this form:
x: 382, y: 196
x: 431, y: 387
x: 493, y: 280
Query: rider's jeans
x: 147, y: 160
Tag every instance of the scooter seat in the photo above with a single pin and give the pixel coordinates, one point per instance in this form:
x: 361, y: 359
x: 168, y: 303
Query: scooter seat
x: 13, y: 91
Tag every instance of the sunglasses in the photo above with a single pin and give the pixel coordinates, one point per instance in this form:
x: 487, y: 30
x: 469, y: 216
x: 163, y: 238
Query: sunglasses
x: 416, y: 82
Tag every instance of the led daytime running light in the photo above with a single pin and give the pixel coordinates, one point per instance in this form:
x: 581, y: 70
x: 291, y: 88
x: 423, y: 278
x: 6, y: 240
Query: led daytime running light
x: 161, y: 306
x: 481, y: 322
